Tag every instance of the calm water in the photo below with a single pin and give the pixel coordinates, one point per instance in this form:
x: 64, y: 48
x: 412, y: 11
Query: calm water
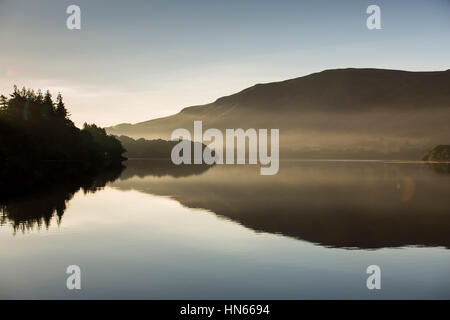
x: 197, y: 232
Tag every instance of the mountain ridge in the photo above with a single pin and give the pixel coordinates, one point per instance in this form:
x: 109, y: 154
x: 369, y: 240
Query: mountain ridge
x: 347, y: 110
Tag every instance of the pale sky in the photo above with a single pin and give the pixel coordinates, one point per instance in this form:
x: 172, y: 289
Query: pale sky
x: 137, y: 60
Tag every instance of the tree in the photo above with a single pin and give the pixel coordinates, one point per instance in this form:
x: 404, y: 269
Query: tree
x: 39, y: 96
x: 16, y: 105
x: 33, y: 105
x: 3, y: 103
x: 109, y: 145
x: 47, y: 109
x: 61, y: 111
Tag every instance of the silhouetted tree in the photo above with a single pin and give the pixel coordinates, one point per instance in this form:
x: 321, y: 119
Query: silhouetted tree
x: 47, y: 109
x: 3, y: 102
x: 61, y: 111
x: 110, y: 145
x: 39, y: 97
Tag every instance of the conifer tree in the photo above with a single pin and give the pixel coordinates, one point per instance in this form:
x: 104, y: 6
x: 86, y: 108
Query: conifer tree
x: 3, y: 103
x: 61, y: 111
x: 47, y: 110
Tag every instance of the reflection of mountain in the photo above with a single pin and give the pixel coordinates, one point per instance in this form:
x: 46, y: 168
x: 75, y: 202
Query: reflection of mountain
x: 362, y: 205
x: 38, y: 208
x: 350, y: 113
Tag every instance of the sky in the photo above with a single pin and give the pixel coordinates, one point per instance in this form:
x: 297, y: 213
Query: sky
x: 133, y: 61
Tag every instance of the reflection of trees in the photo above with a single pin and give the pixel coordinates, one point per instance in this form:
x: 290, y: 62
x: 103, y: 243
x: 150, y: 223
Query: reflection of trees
x: 161, y: 168
x: 440, y: 168
x: 38, y: 207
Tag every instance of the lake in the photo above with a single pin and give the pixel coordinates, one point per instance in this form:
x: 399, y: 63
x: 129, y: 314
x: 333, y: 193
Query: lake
x: 159, y: 231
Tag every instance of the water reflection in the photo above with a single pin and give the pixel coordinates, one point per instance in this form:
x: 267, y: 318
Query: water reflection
x: 38, y: 208
x: 334, y: 204
x: 440, y: 168
x: 160, y: 168
x: 25, y: 212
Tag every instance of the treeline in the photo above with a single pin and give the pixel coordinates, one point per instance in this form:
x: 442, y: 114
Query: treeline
x: 150, y: 149
x: 35, y: 130
x: 439, y: 153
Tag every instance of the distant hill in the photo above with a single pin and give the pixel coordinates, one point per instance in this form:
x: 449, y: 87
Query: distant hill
x: 439, y: 153
x: 343, y: 113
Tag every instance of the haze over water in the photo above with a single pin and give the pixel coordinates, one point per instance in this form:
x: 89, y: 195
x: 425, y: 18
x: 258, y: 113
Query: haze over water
x: 197, y: 232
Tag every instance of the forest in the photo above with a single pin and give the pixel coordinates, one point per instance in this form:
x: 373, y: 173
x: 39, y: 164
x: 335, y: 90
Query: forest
x: 40, y: 144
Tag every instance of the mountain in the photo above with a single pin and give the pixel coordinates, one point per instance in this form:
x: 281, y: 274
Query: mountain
x: 342, y: 113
